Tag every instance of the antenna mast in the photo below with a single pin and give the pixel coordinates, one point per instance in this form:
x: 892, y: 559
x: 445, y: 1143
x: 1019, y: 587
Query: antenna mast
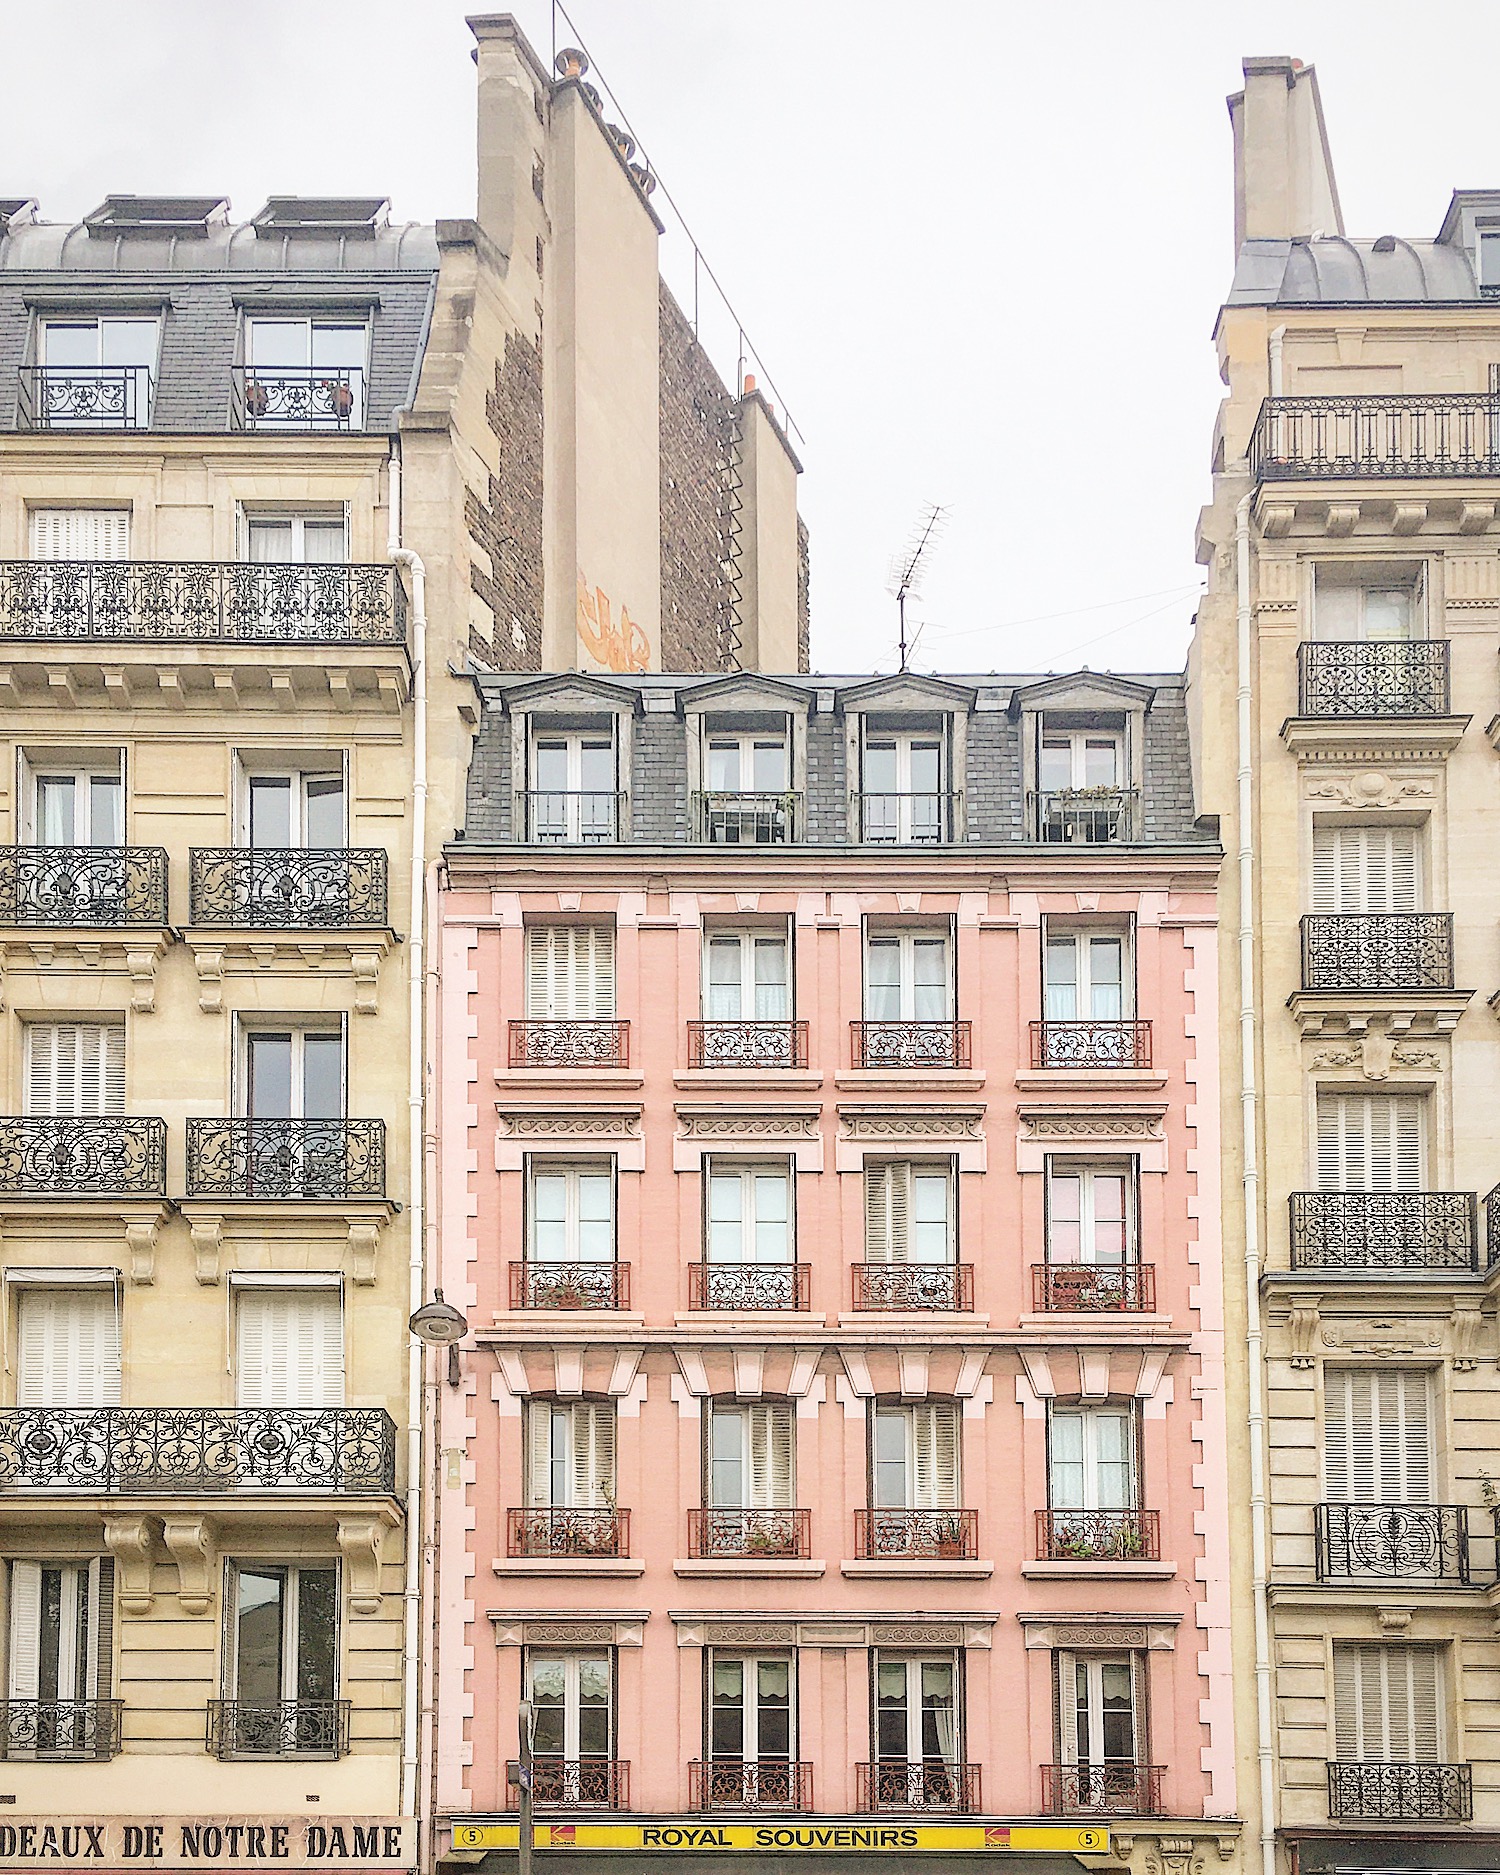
x: 908, y: 567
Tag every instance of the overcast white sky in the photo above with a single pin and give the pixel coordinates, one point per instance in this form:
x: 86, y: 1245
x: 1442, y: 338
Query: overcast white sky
x: 979, y: 245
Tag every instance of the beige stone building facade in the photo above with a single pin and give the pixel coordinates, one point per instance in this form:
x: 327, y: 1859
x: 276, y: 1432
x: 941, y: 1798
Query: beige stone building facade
x: 1345, y: 698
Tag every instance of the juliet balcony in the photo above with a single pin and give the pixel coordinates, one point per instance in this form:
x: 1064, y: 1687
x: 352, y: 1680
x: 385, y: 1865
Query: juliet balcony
x: 303, y: 889
x: 885, y: 1534
x: 1409, y: 1232
x: 729, y: 1784
x: 917, y: 1784
x: 917, y: 1044
x: 45, y: 1729
x: 570, y: 816
x: 749, y: 1286
x: 907, y: 819
x: 297, y: 397
x: 98, y: 887
x: 576, y: 1285
x: 1098, y: 1536
x: 278, y: 1728
x: 1090, y: 1044
x: 1400, y: 1793
x: 914, y: 1286
x: 108, y: 1155
x: 573, y: 1783
x: 1424, y: 1543
x: 738, y: 818
x: 569, y: 1533
x: 1371, y: 437
x: 1402, y: 677
x: 1083, y: 816
x: 755, y: 1533
x: 248, y: 1158
x: 84, y: 397
x: 1103, y: 1787
x: 569, y: 1043
x: 1377, y: 951
x: 1093, y: 1288
x: 747, y: 1044
x: 165, y: 1451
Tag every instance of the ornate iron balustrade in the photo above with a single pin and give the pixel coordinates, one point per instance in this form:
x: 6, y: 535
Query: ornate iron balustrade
x: 914, y: 1286
x: 290, y: 889
x: 885, y: 1533
x: 759, y: 1532
x: 747, y: 1044
x: 1090, y: 1288
x: 162, y: 1451
x: 937, y: 1044
x: 102, y: 887
x: 749, y: 1285
x: 60, y: 1728
x: 737, y: 818
x: 569, y: 816
x: 1378, y: 951
x: 85, y: 397
x: 1383, y: 1230
x: 1106, y: 1787
x: 1090, y: 1044
x: 1401, y: 1793
x: 923, y: 1784
x: 297, y: 397
x: 1492, y: 1226
x: 207, y: 601
x: 573, y: 1784
x: 569, y: 1044
x: 1083, y: 816
x: 556, y: 1531
x: 106, y: 1155
x: 729, y: 1784
x: 1375, y: 436
x: 278, y: 1728
x: 906, y: 819
x: 1098, y: 1536
x: 286, y: 1158
x: 1399, y: 677
x: 1381, y: 1542
x: 577, y: 1285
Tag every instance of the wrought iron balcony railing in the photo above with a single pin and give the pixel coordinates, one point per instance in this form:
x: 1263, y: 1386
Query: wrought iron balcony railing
x: 84, y: 397
x: 289, y: 889
x: 1091, y: 1288
x: 1492, y: 1227
x: 566, y: 1532
x: 1090, y: 1044
x: 570, y: 816
x: 1105, y: 1787
x: 105, y: 1155
x: 201, y: 601
x: 1396, y: 677
x: 747, y: 1044
x: 1384, y: 1542
x: 1400, y: 1793
x: 60, y: 1728
x: 914, y: 1286
x: 736, y: 818
x: 753, y: 1533
x: 573, y: 1783
x: 278, y: 1728
x: 569, y: 1044
x: 906, y: 819
x: 577, y: 1285
x: 286, y: 1158
x: 1098, y: 1536
x: 919, y: 1784
x: 1083, y: 816
x: 164, y: 1451
x: 1374, y: 436
x: 936, y: 1044
x: 102, y: 887
x: 297, y: 397
x: 728, y: 1784
x: 1383, y: 1230
x: 749, y: 1285
x: 1378, y: 951
x: 885, y: 1534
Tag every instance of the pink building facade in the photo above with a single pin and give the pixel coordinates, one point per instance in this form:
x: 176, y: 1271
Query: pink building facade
x: 828, y: 1153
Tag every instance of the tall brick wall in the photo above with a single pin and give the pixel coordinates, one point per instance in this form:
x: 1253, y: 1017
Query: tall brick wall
x: 507, y: 526
x: 804, y: 597
x: 699, y: 436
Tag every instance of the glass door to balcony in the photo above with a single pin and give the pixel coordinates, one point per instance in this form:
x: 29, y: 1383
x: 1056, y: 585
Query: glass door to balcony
x: 1359, y: 614
x: 746, y: 979
x: 750, y: 1456
x: 296, y: 810
x: 571, y: 1457
x: 1091, y: 1458
x: 294, y: 1074
x: 903, y: 796
x: 916, y: 1727
x: 914, y: 1459
x: 59, y: 1657
x: 1087, y: 1216
x: 747, y: 800
x: 283, y: 1668
x: 94, y: 374
x: 749, y: 1214
x: 1085, y: 979
x: 907, y: 978
x: 1100, y: 1722
x: 572, y: 797
x: 304, y: 374
x: 572, y: 1700
x: 68, y: 1348
x: 296, y: 540
x: 908, y: 1212
x: 751, y: 1721
x: 78, y: 806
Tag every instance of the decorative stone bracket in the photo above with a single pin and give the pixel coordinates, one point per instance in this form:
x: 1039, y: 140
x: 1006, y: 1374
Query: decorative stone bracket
x: 135, y: 957
x: 209, y: 1226
x: 221, y: 954
x: 128, y: 1540
x: 190, y: 1544
x: 360, y: 1540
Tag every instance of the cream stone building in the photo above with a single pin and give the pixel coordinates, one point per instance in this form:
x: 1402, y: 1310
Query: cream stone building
x: 1345, y: 701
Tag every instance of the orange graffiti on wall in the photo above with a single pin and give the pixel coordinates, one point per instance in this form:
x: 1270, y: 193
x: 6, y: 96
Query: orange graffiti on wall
x: 622, y: 647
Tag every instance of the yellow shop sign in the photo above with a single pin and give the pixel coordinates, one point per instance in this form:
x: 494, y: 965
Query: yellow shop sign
x: 696, y: 1838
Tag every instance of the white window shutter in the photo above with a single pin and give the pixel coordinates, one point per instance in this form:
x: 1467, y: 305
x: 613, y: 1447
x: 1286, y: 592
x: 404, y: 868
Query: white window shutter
x: 101, y: 1664
x: 887, y: 1212
x: 80, y: 533
x: 25, y: 1629
x: 1067, y: 1706
x: 935, y: 1455
x: 1426, y: 1709
x: 75, y: 1068
x: 1370, y: 1142
x: 290, y: 1348
x: 769, y: 1432
x: 1377, y: 1438
x: 1348, y: 1702
x: 570, y: 972
x: 69, y: 1352
x: 593, y: 1424
x: 1365, y: 869
x: 539, y: 1452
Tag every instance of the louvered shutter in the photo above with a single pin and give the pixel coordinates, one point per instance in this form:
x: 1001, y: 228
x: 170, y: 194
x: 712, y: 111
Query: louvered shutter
x: 102, y: 1629
x: 935, y: 1455
x: 75, y: 1068
x: 1370, y: 1142
x: 769, y: 1432
x: 1387, y: 1705
x: 25, y: 1629
x: 570, y: 973
x: 290, y: 1348
x: 80, y: 533
x: 69, y: 1352
x: 1365, y: 869
x: 887, y: 1212
x: 1377, y: 1439
x: 539, y: 1452
x: 593, y: 1453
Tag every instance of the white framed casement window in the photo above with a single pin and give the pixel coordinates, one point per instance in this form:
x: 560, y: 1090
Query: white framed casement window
x: 570, y: 1211
x: 908, y: 976
x: 68, y: 1346
x: 99, y: 372
x: 291, y: 1071
x: 1101, y: 1711
x: 282, y: 1651
x: 1377, y: 1436
x: 746, y: 976
x: 1370, y: 609
x: 73, y: 800
x: 1487, y: 261
x: 1085, y: 977
x: 570, y: 972
x: 1387, y: 1704
x: 909, y: 1211
x: 61, y: 1651
x: 1091, y: 1458
x: 78, y: 533
x: 572, y: 1700
x: 748, y: 763
x: 570, y: 1454
x: 1090, y: 1213
x: 1366, y: 869
x: 918, y: 1716
x: 1371, y: 1142
x: 289, y: 1346
x: 914, y: 1456
x: 751, y: 1455
x: 749, y: 1213
x: 752, y: 1713
x: 289, y: 808
x: 1078, y: 758
x: 284, y: 537
x: 292, y: 351
x: 75, y: 1068
x: 903, y: 798
x: 573, y: 793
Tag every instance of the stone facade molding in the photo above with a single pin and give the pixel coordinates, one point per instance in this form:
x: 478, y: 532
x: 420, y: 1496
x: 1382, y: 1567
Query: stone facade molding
x: 839, y: 1632
x: 1155, y: 1632
x: 517, y: 1628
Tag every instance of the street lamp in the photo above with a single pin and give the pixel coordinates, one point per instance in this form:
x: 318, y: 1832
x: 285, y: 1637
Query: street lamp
x: 441, y: 1325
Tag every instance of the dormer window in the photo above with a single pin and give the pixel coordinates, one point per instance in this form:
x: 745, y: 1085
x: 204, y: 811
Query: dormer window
x: 903, y: 798
x: 91, y: 374
x: 1081, y: 793
x: 302, y: 374
x: 572, y: 798
x: 1488, y: 262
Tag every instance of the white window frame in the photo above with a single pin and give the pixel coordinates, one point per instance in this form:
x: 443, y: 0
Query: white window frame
x: 580, y: 1489
x: 1078, y: 741
x: 1083, y: 938
x: 572, y: 1173
x: 745, y: 1173
x: 1368, y: 583
x: 290, y: 1614
x: 748, y: 938
x: 942, y: 1493
x: 1086, y: 1171
x: 907, y: 829
x: 891, y: 1186
x: 300, y: 1027
x: 572, y: 1704
x: 251, y: 767
x: 299, y: 520
x: 758, y: 1427
x: 906, y: 942
x: 749, y: 1706
x: 1089, y: 1416
x: 912, y: 1664
x: 71, y: 765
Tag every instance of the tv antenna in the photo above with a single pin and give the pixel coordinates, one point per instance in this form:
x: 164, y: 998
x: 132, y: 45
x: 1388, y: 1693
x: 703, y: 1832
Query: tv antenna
x: 910, y: 564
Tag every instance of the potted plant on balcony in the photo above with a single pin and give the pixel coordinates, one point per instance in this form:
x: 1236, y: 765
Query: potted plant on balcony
x: 340, y: 395
x: 761, y: 1541
x: 257, y: 398
x: 948, y: 1537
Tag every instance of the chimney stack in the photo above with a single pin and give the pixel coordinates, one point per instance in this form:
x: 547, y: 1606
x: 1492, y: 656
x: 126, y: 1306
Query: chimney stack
x: 1283, y: 172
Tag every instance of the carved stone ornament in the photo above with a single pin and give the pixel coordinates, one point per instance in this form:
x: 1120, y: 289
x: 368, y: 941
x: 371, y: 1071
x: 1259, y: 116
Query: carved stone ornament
x: 1369, y: 787
x: 1302, y: 1325
x: 790, y: 1125
x: 887, y: 1125
x: 753, y: 1633
x: 1115, y: 1634
x: 1091, y: 1123
x: 1384, y: 1337
x: 562, y: 1125
x: 570, y: 1633
x: 1464, y: 1326
x: 933, y: 1636
x: 1374, y: 1050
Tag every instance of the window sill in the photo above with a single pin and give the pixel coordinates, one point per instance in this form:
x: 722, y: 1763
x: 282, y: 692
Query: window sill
x: 1070, y: 1079
x: 763, y: 1321
x: 793, y: 1080
x: 568, y: 1566
x: 582, y: 1076
x: 1100, y: 1570
x: 513, y: 1321
x: 908, y: 1318
x: 919, y: 1568
x: 1110, y: 1323
x: 766, y: 1567
x: 907, y: 1080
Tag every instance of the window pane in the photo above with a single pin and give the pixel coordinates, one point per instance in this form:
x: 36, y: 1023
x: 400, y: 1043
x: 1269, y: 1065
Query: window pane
x: 1100, y: 763
x: 1065, y: 1455
x: 55, y: 817
x: 726, y: 1457
x: 930, y: 979
x: 338, y: 347
x: 270, y: 1059
x: 128, y: 342
x: 883, y: 974
x: 317, y: 1633
x: 549, y: 1229
x: 105, y: 821
x: 1388, y: 614
x: 771, y: 1208
x: 596, y: 1220
x: 890, y: 1458
x: 926, y: 767
x: 70, y: 344
x: 728, y: 1722
x: 1108, y: 1192
x: 1064, y: 1231
x: 929, y: 1234
x: 770, y: 775
x: 322, y: 1077
x: 724, y: 767
x: 1119, y: 1726
x: 323, y: 543
x: 270, y: 542
x: 271, y: 810
x: 1062, y: 979
x: 890, y: 1710
x: 596, y: 767
x: 258, y: 1635
x: 1105, y: 959
x: 278, y: 342
x: 325, y: 811
x: 1055, y: 766
x: 880, y: 768
x: 770, y: 980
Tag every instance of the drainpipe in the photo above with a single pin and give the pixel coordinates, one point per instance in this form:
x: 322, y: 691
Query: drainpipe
x: 1250, y: 1178
x: 1274, y: 348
